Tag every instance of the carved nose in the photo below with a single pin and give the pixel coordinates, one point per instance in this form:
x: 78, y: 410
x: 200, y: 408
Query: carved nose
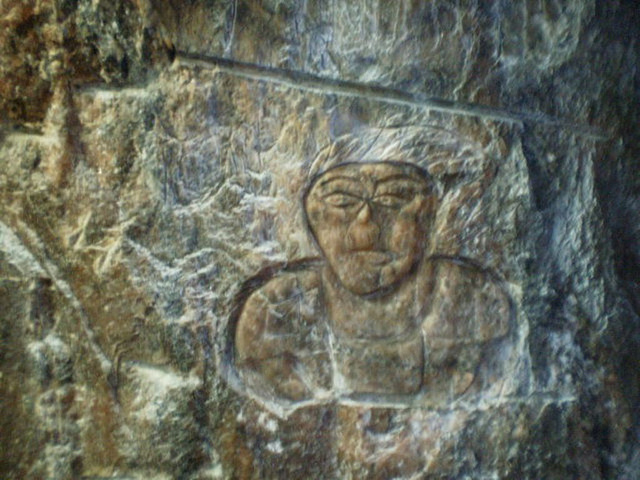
x: 363, y: 233
x: 364, y: 215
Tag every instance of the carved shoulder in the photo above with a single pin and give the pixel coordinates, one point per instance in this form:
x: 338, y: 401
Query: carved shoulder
x: 280, y: 345
x: 470, y: 304
x: 275, y: 310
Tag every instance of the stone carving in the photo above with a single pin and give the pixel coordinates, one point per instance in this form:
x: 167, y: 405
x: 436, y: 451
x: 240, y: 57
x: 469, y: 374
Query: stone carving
x: 378, y: 318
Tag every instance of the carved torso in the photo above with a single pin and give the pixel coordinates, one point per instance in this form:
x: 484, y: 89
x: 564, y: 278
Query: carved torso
x: 290, y: 344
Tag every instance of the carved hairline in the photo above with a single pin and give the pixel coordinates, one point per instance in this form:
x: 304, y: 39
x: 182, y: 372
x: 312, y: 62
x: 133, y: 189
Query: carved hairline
x: 426, y: 147
x: 421, y: 172
x: 433, y: 190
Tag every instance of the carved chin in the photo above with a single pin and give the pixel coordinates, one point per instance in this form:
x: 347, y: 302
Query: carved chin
x: 368, y: 274
x: 362, y: 283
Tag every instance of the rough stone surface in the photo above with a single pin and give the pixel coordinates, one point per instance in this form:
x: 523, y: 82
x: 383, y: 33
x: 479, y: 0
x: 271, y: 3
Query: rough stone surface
x: 147, y: 192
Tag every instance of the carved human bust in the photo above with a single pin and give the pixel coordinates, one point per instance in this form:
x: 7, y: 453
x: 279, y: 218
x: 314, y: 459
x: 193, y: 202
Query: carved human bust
x: 369, y: 220
x: 377, y: 317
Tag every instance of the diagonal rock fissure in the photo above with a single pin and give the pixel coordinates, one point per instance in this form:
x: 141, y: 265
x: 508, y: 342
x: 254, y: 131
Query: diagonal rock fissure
x: 307, y: 81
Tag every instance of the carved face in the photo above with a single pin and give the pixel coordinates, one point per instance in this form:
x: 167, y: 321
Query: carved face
x: 369, y: 221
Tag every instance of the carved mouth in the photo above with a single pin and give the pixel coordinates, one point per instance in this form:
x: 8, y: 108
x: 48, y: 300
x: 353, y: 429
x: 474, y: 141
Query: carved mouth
x: 372, y: 257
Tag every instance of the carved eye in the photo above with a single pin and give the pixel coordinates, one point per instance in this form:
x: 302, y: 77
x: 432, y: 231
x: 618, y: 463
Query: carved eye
x: 342, y: 200
x: 392, y: 200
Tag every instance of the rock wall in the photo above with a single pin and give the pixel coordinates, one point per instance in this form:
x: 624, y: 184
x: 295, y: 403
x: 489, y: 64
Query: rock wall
x: 154, y: 158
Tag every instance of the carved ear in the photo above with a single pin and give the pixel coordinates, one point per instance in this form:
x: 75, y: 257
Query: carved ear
x: 307, y: 221
x: 431, y: 206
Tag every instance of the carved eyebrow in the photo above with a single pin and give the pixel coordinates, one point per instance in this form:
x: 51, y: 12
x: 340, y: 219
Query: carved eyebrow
x: 402, y: 177
x: 337, y: 178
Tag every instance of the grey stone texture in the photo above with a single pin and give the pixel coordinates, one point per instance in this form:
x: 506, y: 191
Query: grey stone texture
x: 154, y: 156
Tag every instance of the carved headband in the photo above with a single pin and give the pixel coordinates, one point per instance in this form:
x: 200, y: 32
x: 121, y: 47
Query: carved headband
x: 438, y: 151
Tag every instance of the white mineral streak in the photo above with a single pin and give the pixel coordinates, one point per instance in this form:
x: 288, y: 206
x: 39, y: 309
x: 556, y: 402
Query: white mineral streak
x: 176, y: 142
x: 17, y: 253
x: 158, y: 391
x: 27, y: 261
x: 275, y: 446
